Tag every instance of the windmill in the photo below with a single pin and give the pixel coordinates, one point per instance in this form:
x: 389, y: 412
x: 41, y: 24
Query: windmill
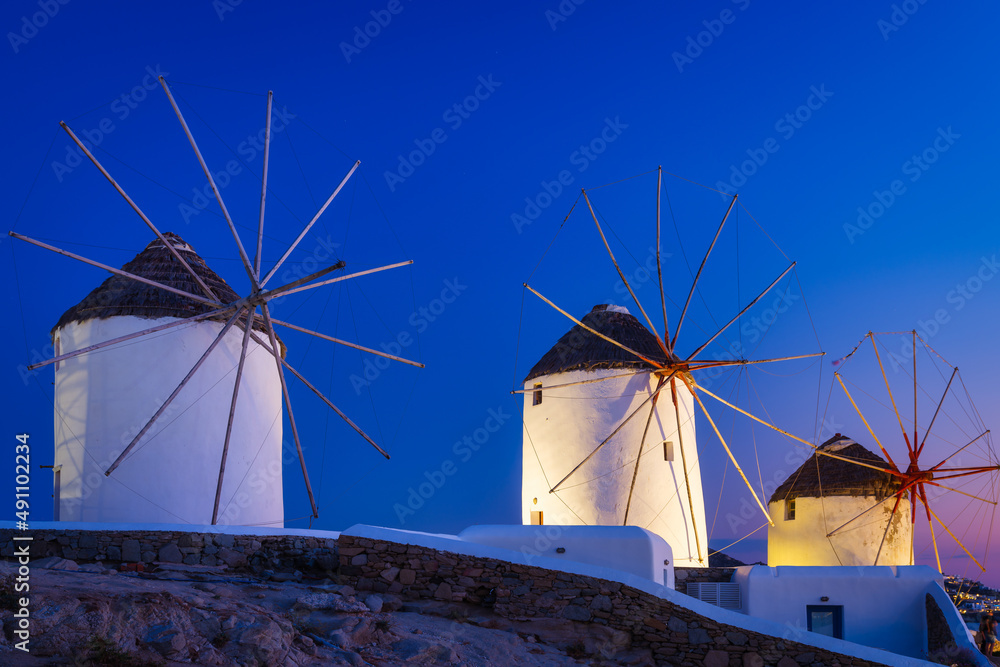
x: 628, y: 455
x: 199, y: 301
x: 937, y: 463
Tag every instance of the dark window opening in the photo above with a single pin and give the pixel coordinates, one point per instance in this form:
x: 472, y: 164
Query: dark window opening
x: 537, y: 518
x: 790, y: 510
x: 826, y: 620
x: 668, y: 450
x: 537, y: 396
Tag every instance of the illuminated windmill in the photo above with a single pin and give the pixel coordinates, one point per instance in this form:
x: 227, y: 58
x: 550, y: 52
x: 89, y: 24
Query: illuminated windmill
x: 945, y: 471
x: 587, y: 458
x: 99, y: 397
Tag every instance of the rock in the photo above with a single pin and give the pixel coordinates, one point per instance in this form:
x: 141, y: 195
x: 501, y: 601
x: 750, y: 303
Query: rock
x: 443, y: 592
x: 407, y: 649
x: 737, y: 638
x: 752, y: 660
x: 184, y: 540
x: 677, y: 624
x: 114, y: 553
x: 576, y: 612
x: 717, y: 659
x: 331, y: 602
x: 326, y: 562
x: 360, y: 559
x: 391, y: 602
x: 223, y: 540
x: 91, y: 567
x: 602, y: 603
x: 315, y: 601
x: 698, y: 636
x: 805, y: 658
x: 389, y: 574
x: 374, y: 603
x: 787, y: 662
x: 148, y: 556
x: 232, y: 558
x: 88, y: 541
x: 407, y: 577
x: 56, y: 563
x: 169, y: 553
x: 165, y: 639
x: 282, y: 577
x: 347, y: 605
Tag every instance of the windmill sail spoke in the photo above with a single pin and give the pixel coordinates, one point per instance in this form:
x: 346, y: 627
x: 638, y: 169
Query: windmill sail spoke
x: 594, y: 331
x: 927, y: 507
x: 169, y: 246
x: 170, y: 399
x: 906, y: 438
x: 311, y: 223
x: 271, y: 293
x: 232, y: 413
x: 573, y: 384
x: 687, y: 481
x: 867, y: 425
x: 927, y: 431
x: 740, y: 314
x: 659, y: 268
x: 118, y: 272
x: 694, y: 284
x: 642, y: 442
x: 607, y: 439
x: 953, y: 454
x: 728, y: 451
x: 137, y: 334
x: 931, y: 511
x: 348, y: 277
x: 263, y: 187
x: 211, y: 182
x: 696, y: 365
x: 295, y: 327
x: 325, y: 399
x: 959, y: 491
x: 275, y: 352
x: 622, y: 275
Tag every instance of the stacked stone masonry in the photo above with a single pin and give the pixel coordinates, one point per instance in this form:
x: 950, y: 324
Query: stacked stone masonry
x: 674, y: 635
x: 148, y: 546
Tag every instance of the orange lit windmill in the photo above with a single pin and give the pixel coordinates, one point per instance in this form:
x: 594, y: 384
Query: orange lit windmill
x: 928, y: 462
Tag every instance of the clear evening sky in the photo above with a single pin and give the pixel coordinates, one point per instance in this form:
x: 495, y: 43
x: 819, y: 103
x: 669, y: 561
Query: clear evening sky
x: 861, y: 136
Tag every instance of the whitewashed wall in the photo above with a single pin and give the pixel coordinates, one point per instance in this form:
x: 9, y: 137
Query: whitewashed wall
x: 567, y: 426
x: 624, y: 548
x: 803, y: 541
x: 104, y: 398
x: 884, y: 607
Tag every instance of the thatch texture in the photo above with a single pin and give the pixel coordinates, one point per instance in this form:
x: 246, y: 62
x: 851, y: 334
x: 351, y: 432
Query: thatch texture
x: 119, y: 296
x: 823, y: 476
x: 581, y: 350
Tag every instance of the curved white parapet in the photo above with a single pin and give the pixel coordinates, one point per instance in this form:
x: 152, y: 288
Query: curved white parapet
x: 104, y: 398
x: 623, y: 548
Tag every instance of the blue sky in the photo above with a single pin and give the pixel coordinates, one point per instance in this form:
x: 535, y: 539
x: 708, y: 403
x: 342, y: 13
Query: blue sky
x: 817, y: 115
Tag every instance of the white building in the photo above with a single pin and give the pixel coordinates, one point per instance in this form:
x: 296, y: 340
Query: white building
x: 820, y: 512
x: 104, y: 398
x: 659, y: 490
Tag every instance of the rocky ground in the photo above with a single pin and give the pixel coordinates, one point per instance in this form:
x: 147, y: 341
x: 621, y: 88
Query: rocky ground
x: 178, y: 614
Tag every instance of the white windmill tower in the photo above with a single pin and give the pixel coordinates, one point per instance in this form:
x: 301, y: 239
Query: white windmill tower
x: 660, y: 490
x: 609, y: 435
x: 158, y: 416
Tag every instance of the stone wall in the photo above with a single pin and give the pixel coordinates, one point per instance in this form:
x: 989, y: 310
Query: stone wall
x: 683, y: 575
x: 674, y: 634
x: 146, y: 546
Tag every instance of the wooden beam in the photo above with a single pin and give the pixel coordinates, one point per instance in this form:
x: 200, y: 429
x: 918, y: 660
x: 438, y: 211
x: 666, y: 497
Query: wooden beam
x: 263, y: 186
x: 349, y: 276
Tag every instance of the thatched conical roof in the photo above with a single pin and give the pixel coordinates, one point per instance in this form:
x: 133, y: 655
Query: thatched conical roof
x: 579, y: 349
x: 119, y: 296
x: 824, y: 476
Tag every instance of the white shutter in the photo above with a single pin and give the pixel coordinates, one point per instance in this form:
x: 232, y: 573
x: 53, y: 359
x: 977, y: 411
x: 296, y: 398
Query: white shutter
x: 723, y: 594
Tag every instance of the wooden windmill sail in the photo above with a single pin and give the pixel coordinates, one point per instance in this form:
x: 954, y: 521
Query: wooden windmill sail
x: 623, y: 364
x: 170, y: 283
x: 932, y: 457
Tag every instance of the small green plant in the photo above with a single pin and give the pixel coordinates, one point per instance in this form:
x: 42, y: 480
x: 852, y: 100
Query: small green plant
x: 383, y: 625
x: 220, y: 640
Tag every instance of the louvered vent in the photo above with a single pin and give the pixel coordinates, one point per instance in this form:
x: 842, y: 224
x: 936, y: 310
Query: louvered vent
x: 723, y: 594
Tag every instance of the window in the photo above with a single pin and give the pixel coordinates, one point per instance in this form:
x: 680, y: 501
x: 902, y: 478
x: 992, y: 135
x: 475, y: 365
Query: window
x: 537, y: 396
x: 825, y: 620
x: 725, y: 594
x: 790, y: 510
x: 536, y: 518
x: 668, y: 450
